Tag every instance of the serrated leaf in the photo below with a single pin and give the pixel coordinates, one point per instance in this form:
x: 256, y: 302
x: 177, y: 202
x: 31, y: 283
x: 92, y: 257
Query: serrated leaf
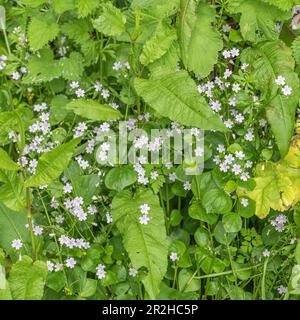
x: 111, y: 22
x: 257, y: 19
x: 175, y: 96
x: 158, y: 45
x: 51, y: 164
x: 93, y: 110
x: 63, y: 6
x: 77, y: 30
x: 27, y: 279
x: 12, y: 191
x: 86, y: 7
x: 146, y: 244
x: 6, y: 162
x: 41, y: 30
x: 281, y: 4
x: 72, y: 67
x: 200, y: 43
x: 12, y: 226
x: 296, y: 49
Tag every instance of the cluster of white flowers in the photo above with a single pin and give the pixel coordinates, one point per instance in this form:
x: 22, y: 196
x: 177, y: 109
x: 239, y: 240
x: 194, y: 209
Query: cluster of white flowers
x: 100, y: 271
x: 80, y: 129
x: 75, y: 206
x: 144, y: 209
x: 83, y: 164
x: 279, y: 222
x: 285, y: 89
x: 73, y: 243
x: 118, y: 65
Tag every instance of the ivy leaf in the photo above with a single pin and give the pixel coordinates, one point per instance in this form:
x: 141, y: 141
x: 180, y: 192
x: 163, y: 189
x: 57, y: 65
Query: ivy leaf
x: 72, y: 67
x: 111, y: 22
x: 158, y: 45
x: 93, y: 110
x: 146, y: 244
x: 51, y: 164
x: 199, y: 41
x: 119, y: 178
x: 257, y: 19
x: 12, y: 226
x: 86, y: 7
x: 12, y: 192
x: 27, y: 279
x: 41, y: 30
x: 175, y: 96
x: 6, y: 162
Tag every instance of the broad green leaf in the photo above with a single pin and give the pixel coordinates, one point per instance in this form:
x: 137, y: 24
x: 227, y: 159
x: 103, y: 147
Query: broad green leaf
x: 200, y: 42
x: 120, y: 178
x: 2, y: 18
x: 93, y: 110
x: 12, y: 226
x: 51, y: 164
x: 296, y: 49
x: 12, y: 191
x: 6, y: 162
x: 63, y: 6
x: 41, y: 30
x: 175, y: 96
x: 86, y: 7
x: 186, y: 282
x: 58, y: 108
x: 27, y: 279
x: 281, y: 4
x: 158, y: 45
x: 257, y: 18
x: 281, y: 115
x: 72, y: 67
x: 77, y: 30
x: 216, y: 201
x: 146, y: 244
x: 111, y: 22
x: 232, y: 222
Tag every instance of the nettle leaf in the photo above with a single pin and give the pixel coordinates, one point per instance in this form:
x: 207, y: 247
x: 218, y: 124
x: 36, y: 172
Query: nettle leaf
x: 296, y: 49
x: 51, y: 164
x: 200, y: 43
x: 77, y: 30
x: 12, y: 226
x: 146, y: 244
x: 120, y: 178
x: 27, y: 279
x: 72, y: 67
x: 175, y: 96
x: 111, y: 22
x: 158, y: 45
x: 63, y: 6
x: 41, y: 30
x: 281, y: 4
x: 6, y: 162
x: 43, y: 68
x: 12, y: 191
x: 258, y: 19
x: 158, y: 8
x: 93, y: 110
x: 86, y: 7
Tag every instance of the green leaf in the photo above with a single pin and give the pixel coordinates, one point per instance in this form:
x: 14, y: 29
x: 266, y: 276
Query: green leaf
x: 200, y: 42
x: 297, y: 253
x: 158, y: 45
x: 296, y: 49
x: 2, y: 18
x: 33, y: 3
x: 186, y: 282
x: 72, y: 67
x: 257, y: 19
x: 8, y: 121
x: 6, y: 162
x: 281, y: 116
x: 281, y: 4
x: 58, y: 108
x: 12, y: 192
x: 86, y: 7
x: 120, y: 178
x: 63, y: 6
x: 93, y: 110
x: 111, y: 22
x: 77, y: 30
x: 232, y: 222
x: 27, y: 279
x: 175, y: 96
x: 41, y: 30
x: 12, y: 226
x: 51, y: 164
x: 216, y: 201
x: 146, y: 244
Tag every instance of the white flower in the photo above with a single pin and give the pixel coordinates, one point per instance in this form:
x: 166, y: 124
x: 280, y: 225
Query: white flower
x: 37, y: 230
x: 100, y: 272
x: 286, y: 90
x: 215, y: 105
x: 144, y: 208
x: 58, y: 267
x: 109, y: 218
x: 132, y: 272
x: 199, y: 152
x: 227, y: 74
x: 80, y: 93
x: 16, y: 75
x: 234, y: 52
x: 221, y: 148
x: 281, y: 289
x: 50, y: 266
x: 187, y: 185
x: 228, y: 123
x: 262, y: 122
x: 154, y: 175
x: 244, y: 66
x: 240, y: 155
x: 249, y: 164
x: 229, y: 158
x: 266, y: 253
x: 174, y: 256
x: 236, y: 169
x: 74, y: 84
x: 117, y: 66
x: 280, y: 80
x: 244, y: 202
x: 245, y: 176
x: 224, y: 167
x: 226, y: 28
x: 68, y: 188
x: 70, y: 263
x: 226, y: 54
x: 249, y: 136
x: 172, y: 176
x: 98, y: 86
x: 17, y: 244
x: 59, y: 219
x: 236, y: 87
x: 144, y: 219
x: 239, y: 118
x: 105, y: 93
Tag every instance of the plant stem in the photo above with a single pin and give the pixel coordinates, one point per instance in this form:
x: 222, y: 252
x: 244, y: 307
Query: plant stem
x: 29, y: 219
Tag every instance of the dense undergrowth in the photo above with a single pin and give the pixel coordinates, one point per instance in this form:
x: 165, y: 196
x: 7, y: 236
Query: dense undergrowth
x: 78, y: 221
